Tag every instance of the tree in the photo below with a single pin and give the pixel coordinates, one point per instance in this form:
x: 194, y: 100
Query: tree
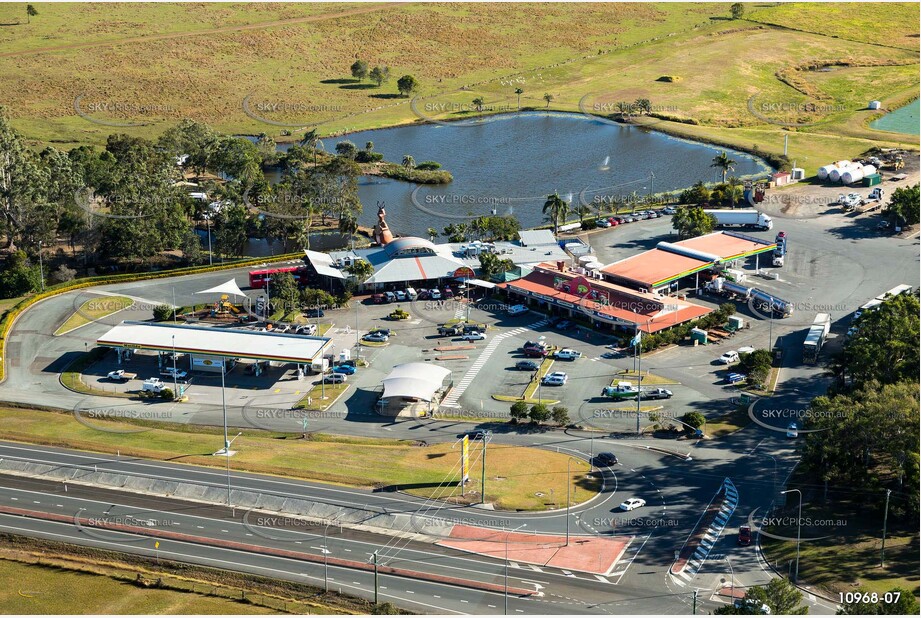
x: 30, y: 13
x: 230, y: 230
x: 905, y: 204
x: 723, y: 162
x: 519, y: 411
x: 779, y: 595
x: 161, y: 313
x: 556, y: 209
x: 407, y: 85
x: 690, y: 221
x: 348, y: 224
x: 548, y: 98
x: 643, y: 106
x: 885, y: 346
x: 697, y: 194
x: 539, y: 413
x: 360, y: 270
x: 757, y: 365
x: 478, y: 103
x: 491, y: 264
x: 519, y: 92
x: 346, y: 149
x: 283, y: 290
x: 63, y: 274
x: 432, y: 234
x: 733, y: 190
x: 409, y: 161
x: 359, y: 69
x: 379, y: 75
x: 737, y: 10
x: 695, y: 420
x: 560, y: 415
x: 906, y: 605
x: 19, y: 276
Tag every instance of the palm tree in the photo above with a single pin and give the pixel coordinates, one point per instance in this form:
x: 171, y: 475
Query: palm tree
x: 409, y: 161
x: 555, y: 208
x: 348, y: 224
x: 723, y: 162
x: 734, y: 189
x: 519, y: 92
x: 433, y: 234
x: 548, y: 97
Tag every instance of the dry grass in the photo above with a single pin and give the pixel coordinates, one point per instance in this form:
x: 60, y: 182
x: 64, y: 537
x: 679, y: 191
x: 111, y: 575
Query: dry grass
x: 432, y: 471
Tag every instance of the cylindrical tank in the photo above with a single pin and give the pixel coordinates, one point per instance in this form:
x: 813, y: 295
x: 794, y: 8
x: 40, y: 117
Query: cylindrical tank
x: 835, y: 174
x: 585, y: 259
x: 851, y: 176
x: 841, y: 163
x: 824, y: 170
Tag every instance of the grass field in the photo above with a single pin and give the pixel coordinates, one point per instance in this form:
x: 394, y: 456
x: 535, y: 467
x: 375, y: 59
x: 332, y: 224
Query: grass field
x: 514, y: 474
x: 92, y: 310
x: 202, y: 61
x: 34, y: 589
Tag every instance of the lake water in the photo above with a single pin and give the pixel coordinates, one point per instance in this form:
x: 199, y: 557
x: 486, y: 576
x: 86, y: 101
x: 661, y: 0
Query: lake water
x: 510, y: 163
x: 902, y: 120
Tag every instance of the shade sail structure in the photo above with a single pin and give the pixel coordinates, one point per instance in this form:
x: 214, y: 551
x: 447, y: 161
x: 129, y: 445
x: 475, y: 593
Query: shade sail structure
x: 226, y: 342
x: 324, y: 265
x: 415, y: 381
x: 231, y: 288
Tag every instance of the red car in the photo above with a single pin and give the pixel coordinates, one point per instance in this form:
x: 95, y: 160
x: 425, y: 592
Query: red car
x: 377, y: 299
x: 614, y: 222
x: 745, y: 535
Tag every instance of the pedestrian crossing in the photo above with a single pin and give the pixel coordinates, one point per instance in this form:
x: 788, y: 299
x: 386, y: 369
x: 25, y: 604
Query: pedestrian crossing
x: 450, y: 401
x: 714, y: 530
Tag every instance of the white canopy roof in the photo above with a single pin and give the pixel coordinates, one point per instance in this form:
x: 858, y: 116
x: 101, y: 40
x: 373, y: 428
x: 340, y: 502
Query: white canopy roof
x: 415, y: 380
x: 230, y: 288
x: 323, y: 264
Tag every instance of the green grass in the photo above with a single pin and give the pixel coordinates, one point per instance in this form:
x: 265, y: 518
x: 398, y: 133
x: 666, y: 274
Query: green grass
x: 72, y: 376
x: 92, y: 310
x: 517, y: 473
x: 727, y: 423
x: 315, y: 396
x: 646, y: 379
x: 620, y: 53
x: 33, y: 589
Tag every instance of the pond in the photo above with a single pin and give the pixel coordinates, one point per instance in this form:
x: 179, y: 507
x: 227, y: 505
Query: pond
x: 509, y: 164
x: 902, y: 120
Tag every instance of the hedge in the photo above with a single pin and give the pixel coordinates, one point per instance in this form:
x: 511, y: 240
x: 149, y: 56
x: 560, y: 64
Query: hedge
x: 6, y: 322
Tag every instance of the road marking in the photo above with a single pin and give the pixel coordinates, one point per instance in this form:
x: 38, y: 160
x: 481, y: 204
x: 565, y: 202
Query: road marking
x: 200, y: 527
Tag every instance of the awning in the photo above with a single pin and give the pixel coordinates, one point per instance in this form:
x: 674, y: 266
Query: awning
x: 481, y: 283
x: 323, y: 264
x: 230, y: 288
x: 414, y: 380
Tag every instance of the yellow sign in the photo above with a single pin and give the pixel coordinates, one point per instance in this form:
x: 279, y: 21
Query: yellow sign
x: 157, y: 545
x: 465, y: 459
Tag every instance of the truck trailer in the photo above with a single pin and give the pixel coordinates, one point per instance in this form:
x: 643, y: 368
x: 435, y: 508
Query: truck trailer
x: 741, y: 218
x: 815, y: 338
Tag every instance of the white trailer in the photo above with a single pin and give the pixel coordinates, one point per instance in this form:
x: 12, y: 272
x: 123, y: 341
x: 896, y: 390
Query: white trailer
x: 741, y: 218
x: 815, y: 338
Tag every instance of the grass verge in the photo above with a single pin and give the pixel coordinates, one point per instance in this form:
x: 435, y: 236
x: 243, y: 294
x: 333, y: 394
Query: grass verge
x: 92, y: 310
x: 314, y: 400
x: 727, y: 423
x: 72, y: 377
x: 646, y: 378
x: 515, y: 475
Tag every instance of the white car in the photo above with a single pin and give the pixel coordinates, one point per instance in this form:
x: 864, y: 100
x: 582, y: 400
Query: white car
x: 631, y: 504
x: 729, y: 357
x: 568, y: 354
x: 557, y: 378
x: 746, y: 349
x: 792, y: 430
x: 401, y: 295
x: 178, y: 373
x: 517, y: 310
x: 436, y: 294
x: 119, y: 375
x: 474, y: 336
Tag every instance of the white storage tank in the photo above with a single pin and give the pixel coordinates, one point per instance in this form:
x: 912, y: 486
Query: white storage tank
x: 835, y: 174
x: 851, y: 176
x: 874, y: 105
x: 824, y: 171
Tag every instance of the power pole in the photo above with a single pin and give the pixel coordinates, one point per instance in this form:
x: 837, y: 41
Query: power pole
x: 483, y: 471
x: 882, y: 551
x: 375, y: 578
x: 696, y: 592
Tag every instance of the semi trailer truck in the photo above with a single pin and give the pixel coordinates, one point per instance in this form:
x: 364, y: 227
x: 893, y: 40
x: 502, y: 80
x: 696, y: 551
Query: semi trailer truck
x: 749, y: 218
x: 815, y: 338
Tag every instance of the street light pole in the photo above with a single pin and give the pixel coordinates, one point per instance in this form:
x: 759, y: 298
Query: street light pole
x: 508, y: 534
x: 375, y: 579
x: 210, y: 254
x: 882, y: 551
x: 41, y: 266
x: 486, y: 438
x: 799, y: 523
x: 569, y: 492
x: 175, y: 379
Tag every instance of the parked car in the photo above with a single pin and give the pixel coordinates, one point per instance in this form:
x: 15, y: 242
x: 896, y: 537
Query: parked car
x: 346, y: 369
x: 435, y: 294
x: 179, y: 374
x: 668, y: 210
x: 473, y: 336
x: 411, y: 294
x: 605, y: 459
x: 557, y: 378
x: 390, y: 297
x: 568, y: 354
x: 334, y: 378
x: 526, y: 365
x: 378, y: 299
x: 614, y: 222
x: 386, y: 332
x: 745, y: 349
x: 729, y: 357
x: 602, y: 223
x: 563, y: 324
x: 655, y: 393
x: 306, y: 329
x: 375, y: 338
x: 735, y: 378
x: 448, y: 292
x: 631, y: 504
x: 153, y: 385
x: 401, y: 295
x: 314, y: 313
x: 517, y: 310
x: 653, y: 214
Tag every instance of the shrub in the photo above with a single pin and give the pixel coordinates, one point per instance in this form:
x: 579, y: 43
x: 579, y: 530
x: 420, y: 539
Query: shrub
x: 429, y: 165
x: 162, y: 313
x: 560, y: 415
x: 539, y: 413
x: 63, y: 274
x: 167, y: 394
x: 364, y: 156
x: 519, y: 411
x: 694, y: 419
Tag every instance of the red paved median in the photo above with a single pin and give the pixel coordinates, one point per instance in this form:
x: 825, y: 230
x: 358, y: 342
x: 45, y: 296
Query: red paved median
x: 588, y: 554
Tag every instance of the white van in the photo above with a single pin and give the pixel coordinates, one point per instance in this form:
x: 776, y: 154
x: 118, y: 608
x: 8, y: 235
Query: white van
x: 411, y: 293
